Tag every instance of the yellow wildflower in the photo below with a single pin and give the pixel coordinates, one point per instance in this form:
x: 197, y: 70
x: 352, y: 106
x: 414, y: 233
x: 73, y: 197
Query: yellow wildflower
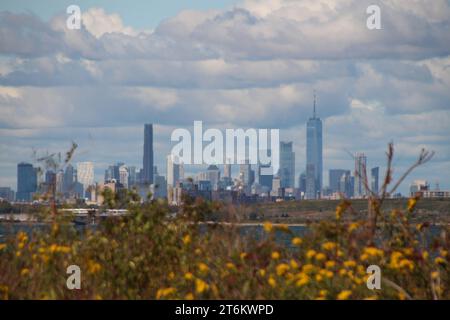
x: 330, y: 264
x: 22, y: 236
x: 243, y: 255
x: 189, y: 296
x: 358, y: 281
x: 93, y: 267
x: 360, y: 269
x: 329, y: 246
x: 373, y: 251
x: 272, y: 282
x: 294, y: 264
x: 439, y: 260
x: 282, y: 268
x: 353, y: 226
x: 395, y: 259
x: 161, y: 293
x: 340, y: 209
x: 268, y: 226
x: 344, y: 295
x: 296, y: 241
x: 319, y: 277
x: 203, y: 268
x: 262, y: 272
x: 24, y: 272
x: 350, y: 263
x: 200, y: 286
x: 408, y: 251
x: 303, y: 279
x: 53, y: 248
x: 187, y: 239
x: 320, y: 256
x: 230, y: 266
x: 63, y: 249
x: 364, y: 257
x: 310, y: 254
x: 307, y: 268
x: 323, y: 293
x: 283, y: 227
x: 435, y: 275
x: 407, y: 264
x: 275, y: 255
x: 412, y: 204
x: 188, y: 276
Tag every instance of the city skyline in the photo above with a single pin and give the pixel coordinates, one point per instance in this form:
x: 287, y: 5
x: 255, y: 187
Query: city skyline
x: 81, y: 180
x: 357, y: 186
x: 98, y: 85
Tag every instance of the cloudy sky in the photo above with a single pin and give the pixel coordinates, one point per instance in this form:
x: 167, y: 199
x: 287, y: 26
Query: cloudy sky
x: 231, y: 64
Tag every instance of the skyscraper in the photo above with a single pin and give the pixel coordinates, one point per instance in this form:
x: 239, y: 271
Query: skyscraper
x: 123, y: 176
x: 244, y: 173
x: 159, y: 187
x: 302, y: 182
x: 69, y: 179
x: 174, y: 170
x: 213, y: 175
x: 7, y: 194
x: 360, y: 175
x: 334, y: 176
x: 26, y: 181
x: 59, y: 181
x: 346, y: 184
x: 265, y: 180
x: 227, y: 170
x: 85, y: 174
x: 287, y: 165
x: 314, y: 156
x: 148, y: 154
x: 131, y: 176
x: 374, y: 179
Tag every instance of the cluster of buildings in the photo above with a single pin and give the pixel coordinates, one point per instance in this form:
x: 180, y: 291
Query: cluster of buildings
x: 422, y: 188
x: 70, y: 183
x: 214, y: 182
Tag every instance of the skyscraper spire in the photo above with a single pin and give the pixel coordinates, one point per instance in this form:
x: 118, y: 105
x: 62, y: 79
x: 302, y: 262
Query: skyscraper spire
x: 314, y: 113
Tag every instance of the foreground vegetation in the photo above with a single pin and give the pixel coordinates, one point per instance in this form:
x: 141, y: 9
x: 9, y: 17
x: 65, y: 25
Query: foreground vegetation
x: 152, y: 255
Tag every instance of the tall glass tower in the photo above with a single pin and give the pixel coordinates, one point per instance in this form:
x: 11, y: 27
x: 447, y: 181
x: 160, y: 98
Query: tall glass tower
x: 26, y: 181
x: 148, y: 155
x: 314, y: 156
x: 360, y: 175
x: 287, y: 165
